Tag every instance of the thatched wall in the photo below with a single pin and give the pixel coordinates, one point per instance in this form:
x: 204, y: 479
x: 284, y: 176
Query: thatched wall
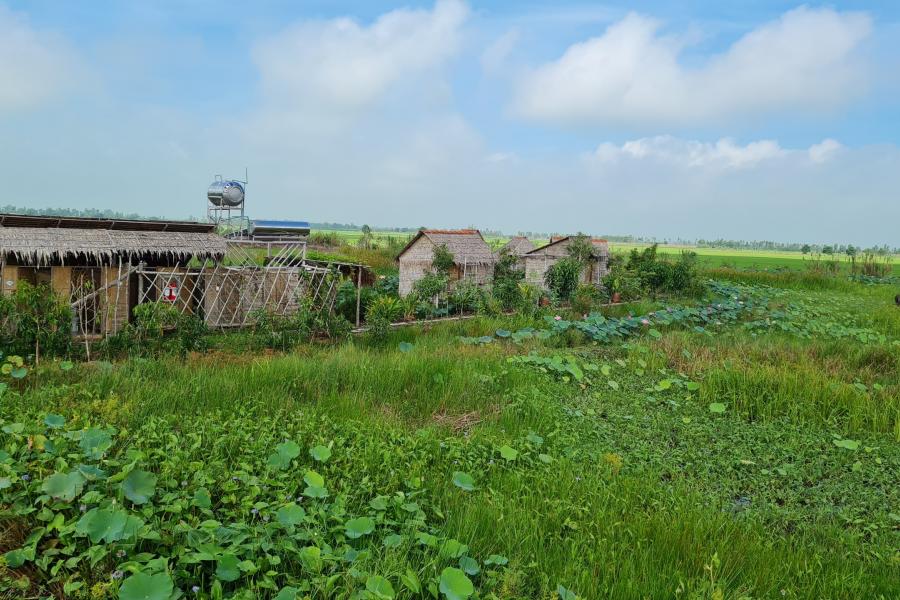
x: 472, y: 255
x: 539, y: 260
x: 414, y: 263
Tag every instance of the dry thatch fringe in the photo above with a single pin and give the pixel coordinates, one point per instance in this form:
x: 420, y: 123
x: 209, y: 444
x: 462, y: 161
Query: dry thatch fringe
x: 43, y: 245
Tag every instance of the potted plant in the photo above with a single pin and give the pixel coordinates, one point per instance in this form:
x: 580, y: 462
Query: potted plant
x: 613, y: 285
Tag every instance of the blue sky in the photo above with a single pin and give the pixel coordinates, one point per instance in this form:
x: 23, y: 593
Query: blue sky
x: 753, y: 120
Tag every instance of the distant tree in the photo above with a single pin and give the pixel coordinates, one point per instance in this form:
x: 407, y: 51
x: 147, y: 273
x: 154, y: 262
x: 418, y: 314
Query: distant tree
x: 580, y: 248
x: 365, y: 241
x: 827, y: 250
x: 851, y: 252
x: 806, y: 249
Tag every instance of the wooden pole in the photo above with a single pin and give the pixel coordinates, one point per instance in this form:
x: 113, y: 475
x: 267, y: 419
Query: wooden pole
x: 358, y: 293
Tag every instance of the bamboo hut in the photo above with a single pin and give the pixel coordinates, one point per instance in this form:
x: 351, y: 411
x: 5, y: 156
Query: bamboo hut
x: 537, y: 261
x: 105, y: 268
x: 473, y: 259
x: 517, y: 246
x: 98, y: 258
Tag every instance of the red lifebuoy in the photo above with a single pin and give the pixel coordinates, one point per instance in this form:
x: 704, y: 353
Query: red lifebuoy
x: 170, y: 292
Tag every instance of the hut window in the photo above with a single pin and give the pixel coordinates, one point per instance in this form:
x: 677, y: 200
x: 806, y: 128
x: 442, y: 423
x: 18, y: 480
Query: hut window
x: 35, y: 275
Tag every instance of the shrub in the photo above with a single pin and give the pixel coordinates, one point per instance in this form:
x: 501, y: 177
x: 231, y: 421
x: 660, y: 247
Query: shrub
x: 683, y: 276
x: 345, y: 300
x: 507, y: 276
x: 151, y: 320
x: 283, y: 332
x: 382, y: 311
x: 584, y: 298
x: 465, y: 297
x: 191, y: 332
x: 530, y: 298
x: 35, y: 321
x: 442, y: 260
x: 278, y: 332
x: 388, y: 285
x: 430, y: 286
x: 489, y: 306
x: 562, y: 277
x: 658, y: 275
x: 625, y: 283
x: 325, y: 238
x: 157, y: 328
x: 408, y: 307
x: 331, y: 326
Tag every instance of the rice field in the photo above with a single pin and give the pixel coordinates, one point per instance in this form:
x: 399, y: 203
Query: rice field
x: 707, y: 257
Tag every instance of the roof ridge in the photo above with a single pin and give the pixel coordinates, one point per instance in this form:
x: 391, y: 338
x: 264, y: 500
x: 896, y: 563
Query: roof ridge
x: 452, y: 231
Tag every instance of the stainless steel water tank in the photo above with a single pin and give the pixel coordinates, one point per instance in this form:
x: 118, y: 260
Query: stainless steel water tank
x: 225, y: 193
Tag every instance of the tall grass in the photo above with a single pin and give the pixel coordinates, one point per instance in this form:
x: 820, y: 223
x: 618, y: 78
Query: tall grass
x: 576, y: 521
x: 696, y: 507
x: 804, y: 396
x: 853, y: 388
x: 797, y: 280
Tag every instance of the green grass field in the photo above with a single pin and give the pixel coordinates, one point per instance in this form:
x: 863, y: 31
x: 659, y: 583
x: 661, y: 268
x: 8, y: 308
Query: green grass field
x: 749, y: 458
x: 707, y: 257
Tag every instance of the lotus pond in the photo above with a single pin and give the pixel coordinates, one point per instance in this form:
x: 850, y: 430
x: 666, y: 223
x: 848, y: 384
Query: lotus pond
x: 743, y: 446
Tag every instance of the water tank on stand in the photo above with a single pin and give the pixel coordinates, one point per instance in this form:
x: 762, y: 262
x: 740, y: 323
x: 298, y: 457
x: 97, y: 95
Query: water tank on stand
x: 225, y: 193
x: 225, y: 203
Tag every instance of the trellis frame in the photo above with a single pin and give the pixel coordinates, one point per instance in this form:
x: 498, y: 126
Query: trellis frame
x: 228, y: 293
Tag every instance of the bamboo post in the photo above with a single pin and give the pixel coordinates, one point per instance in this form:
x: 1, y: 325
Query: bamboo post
x: 118, y: 289
x: 358, y: 293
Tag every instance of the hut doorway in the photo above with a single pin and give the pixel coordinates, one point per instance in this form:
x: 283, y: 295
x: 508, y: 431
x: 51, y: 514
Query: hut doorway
x: 87, y: 314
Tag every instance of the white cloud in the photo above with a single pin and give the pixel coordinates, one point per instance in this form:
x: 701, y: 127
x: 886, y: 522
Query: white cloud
x: 495, y: 56
x: 805, y: 60
x: 34, y: 65
x: 498, y: 157
x: 824, y: 150
x: 340, y: 65
x: 722, y: 154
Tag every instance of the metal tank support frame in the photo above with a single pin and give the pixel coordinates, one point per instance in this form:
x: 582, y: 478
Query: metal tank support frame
x: 226, y: 199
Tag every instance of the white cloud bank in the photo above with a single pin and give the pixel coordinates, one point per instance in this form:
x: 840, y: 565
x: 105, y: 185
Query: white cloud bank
x: 34, y: 65
x: 805, y: 60
x: 340, y: 65
x: 411, y: 158
x: 722, y: 154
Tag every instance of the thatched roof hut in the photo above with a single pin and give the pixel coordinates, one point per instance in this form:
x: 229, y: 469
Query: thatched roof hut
x: 559, y: 247
x: 473, y: 258
x: 466, y: 245
x: 517, y: 246
x: 537, y: 261
x: 63, y: 240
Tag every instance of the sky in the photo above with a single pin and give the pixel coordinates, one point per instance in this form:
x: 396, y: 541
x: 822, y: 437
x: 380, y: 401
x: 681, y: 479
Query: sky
x: 698, y: 119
